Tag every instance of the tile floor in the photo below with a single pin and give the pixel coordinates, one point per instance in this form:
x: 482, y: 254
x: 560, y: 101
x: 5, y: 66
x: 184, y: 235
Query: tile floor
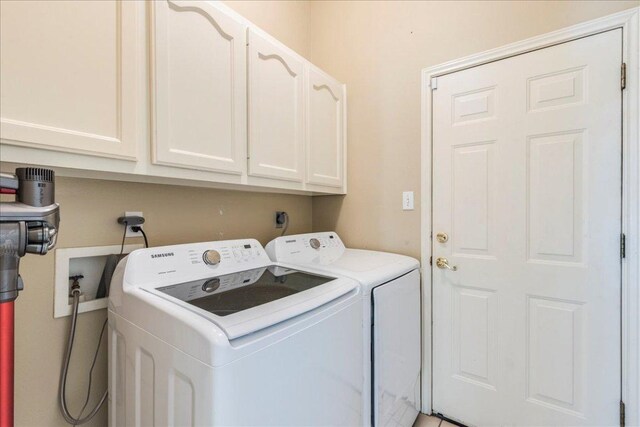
x: 429, y: 421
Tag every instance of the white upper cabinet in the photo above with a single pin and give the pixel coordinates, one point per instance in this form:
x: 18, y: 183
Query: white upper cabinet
x: 69, y: 76
x: 276, y: 140
x: 325, y: 131
x: 166, y: 91
x: 199, y: 99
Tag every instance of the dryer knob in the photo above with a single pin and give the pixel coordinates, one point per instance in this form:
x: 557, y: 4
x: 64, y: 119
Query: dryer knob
x: 211, y: 257
x: 314, y: 243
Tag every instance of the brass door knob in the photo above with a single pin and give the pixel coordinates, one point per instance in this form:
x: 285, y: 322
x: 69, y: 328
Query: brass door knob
x: 442, y: 237
x: 444, y: 263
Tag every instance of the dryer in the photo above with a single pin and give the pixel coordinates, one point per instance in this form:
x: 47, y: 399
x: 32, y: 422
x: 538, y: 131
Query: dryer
x: 390, y: 292
x: 216, y: 334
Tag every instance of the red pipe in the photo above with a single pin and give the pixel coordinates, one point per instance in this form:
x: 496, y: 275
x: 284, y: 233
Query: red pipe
x: 6, y: 364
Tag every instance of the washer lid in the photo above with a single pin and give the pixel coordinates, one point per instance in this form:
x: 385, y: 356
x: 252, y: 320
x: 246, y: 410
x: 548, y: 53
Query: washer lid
x: 247, y: 301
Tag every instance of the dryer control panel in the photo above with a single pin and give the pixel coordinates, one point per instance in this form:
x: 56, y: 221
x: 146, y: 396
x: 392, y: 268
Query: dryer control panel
x: 306, y: 248
x: 175, y: 264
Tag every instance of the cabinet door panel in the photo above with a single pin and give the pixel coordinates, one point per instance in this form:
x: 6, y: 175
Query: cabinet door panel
x: 325, y: 129
x: 69, y: 75
x: 275, y: 111
x: 199, y: 87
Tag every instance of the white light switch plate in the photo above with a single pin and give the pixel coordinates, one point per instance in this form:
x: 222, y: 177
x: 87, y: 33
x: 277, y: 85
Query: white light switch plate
x: 407, y: 201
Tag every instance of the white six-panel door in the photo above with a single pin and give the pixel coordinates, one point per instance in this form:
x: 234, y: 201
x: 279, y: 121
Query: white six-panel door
x: 276, y: 147
x: 526, y: 184
x: 198, y: 87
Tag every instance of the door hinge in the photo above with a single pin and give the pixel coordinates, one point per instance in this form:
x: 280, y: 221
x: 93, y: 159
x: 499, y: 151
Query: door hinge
x: 623, y: 245
x: 623, y: 76
x: 434, y: 83
x: 622, y: 415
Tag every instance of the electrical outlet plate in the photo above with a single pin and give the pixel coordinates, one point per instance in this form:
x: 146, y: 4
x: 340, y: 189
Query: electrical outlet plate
x: 276, y: 220
x: 133, y: 233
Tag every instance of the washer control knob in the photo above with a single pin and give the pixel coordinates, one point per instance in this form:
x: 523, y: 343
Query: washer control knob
x: 211, y: 257
x: 314, y: 243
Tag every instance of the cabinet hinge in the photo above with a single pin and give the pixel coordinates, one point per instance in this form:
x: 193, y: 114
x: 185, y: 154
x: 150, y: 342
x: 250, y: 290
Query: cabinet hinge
x: 623, y: 76
x: 623, y: 245
x: 430, y: 260
x: 434, y: 83
x: 622, y: 415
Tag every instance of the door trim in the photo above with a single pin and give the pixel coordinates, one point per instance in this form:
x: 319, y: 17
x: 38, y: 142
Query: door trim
x: 629, y: 21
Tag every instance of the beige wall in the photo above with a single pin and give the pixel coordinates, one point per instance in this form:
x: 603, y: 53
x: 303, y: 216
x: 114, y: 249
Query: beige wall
x: 287, y: 21
x: 378, y: 49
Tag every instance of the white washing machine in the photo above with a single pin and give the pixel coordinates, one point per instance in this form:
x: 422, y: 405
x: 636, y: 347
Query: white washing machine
x: 391, y: 318
x: 215, y: 334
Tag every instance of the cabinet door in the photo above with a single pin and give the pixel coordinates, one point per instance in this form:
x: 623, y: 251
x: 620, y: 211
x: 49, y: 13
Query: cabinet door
x: 276, y: 148
x: 325, y: 129
x: 198, y: 87
x: 69, y: 75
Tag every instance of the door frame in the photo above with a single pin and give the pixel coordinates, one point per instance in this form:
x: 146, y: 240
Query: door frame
x: 629, y: 22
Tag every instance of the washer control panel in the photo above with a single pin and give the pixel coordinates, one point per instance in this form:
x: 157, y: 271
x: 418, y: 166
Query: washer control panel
x: 185, y: 262
x: 312, y: 247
